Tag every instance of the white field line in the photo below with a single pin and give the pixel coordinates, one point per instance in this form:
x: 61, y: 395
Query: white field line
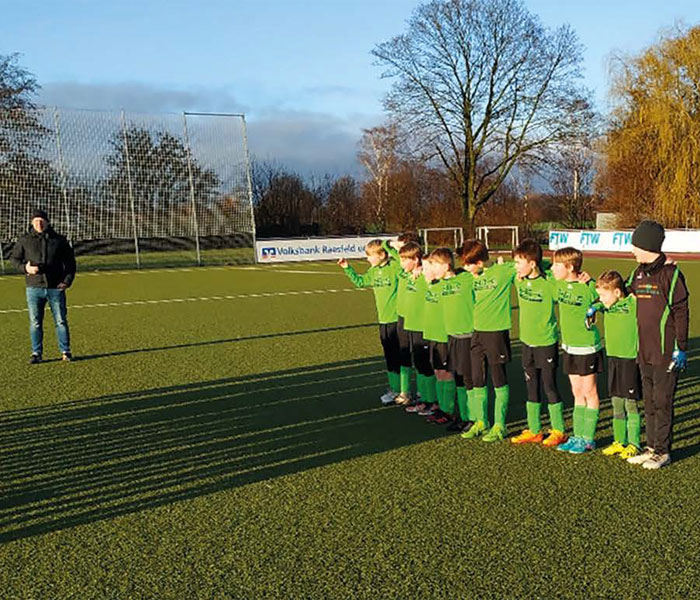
x: 8, y: 311
x: 272, y: 268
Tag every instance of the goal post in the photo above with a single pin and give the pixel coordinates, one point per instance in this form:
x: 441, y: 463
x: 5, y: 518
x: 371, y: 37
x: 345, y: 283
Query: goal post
x: 456, y: 234
x: 482, y: 233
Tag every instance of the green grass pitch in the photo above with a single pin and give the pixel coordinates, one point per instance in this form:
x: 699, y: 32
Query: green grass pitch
x: 221, y: 437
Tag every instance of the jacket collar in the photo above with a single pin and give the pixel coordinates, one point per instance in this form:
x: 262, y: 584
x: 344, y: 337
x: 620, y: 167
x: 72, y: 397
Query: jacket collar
x: 653, y: 267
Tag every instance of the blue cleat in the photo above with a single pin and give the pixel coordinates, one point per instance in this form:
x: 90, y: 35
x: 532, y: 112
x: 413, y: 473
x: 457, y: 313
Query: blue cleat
x: 582, y: 446
x: 568, y: 445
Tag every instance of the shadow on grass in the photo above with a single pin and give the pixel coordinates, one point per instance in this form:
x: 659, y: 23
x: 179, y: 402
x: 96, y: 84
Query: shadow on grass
x: 84, y: 461
x: 79, y: 462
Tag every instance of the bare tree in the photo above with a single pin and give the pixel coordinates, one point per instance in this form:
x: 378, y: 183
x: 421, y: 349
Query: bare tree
x: 481, y: 85
x: 378, y: 154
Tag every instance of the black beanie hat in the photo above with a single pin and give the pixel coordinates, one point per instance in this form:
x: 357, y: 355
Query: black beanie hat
x: 39, y: 214
x: 649, y: 236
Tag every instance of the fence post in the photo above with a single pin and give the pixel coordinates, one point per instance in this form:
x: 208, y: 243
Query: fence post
x: 2, y: 259
x: 194, y: 204
x: 250, y: 185
x: 131, y: 191
x: 59, y: 148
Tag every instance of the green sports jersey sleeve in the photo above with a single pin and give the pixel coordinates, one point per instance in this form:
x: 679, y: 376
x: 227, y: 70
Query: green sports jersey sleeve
x: 621, y: 333
x: 414, y: 303
x: 433, y: 319
x: 574, y: 300
x: 384, y: 281
x: 457, y: 299
x: 401, y: 292
x: 391, y: 251
x: 492, y: 298
x: 537, y: 319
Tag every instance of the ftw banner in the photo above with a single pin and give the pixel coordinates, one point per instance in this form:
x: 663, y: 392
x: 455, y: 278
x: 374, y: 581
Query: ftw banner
x: 272, y: 251
x: 676, y: 241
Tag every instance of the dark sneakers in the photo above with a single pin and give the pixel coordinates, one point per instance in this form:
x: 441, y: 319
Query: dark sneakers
x: 66, y: 357
x: 35, y: 359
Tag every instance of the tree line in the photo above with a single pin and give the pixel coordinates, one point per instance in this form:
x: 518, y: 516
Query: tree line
x: 486, y: 123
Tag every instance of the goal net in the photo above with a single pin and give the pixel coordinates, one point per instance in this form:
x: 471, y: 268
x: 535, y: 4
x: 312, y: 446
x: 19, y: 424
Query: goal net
x: 129, y: 189
x: 439, y: 237
x: 499, y: 237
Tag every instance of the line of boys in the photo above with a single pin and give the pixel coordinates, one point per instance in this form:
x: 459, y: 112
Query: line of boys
x: 453, y: 326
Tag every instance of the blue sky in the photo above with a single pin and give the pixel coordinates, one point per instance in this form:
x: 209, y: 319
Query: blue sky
x: 300, y: 70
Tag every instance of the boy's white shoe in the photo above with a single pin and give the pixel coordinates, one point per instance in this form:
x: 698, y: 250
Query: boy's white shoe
x: 641, y: 458
x: 388, y: 397
x: 657, y: 461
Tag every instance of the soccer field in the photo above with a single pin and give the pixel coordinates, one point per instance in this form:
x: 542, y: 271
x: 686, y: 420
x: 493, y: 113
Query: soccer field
x: 221, y: 437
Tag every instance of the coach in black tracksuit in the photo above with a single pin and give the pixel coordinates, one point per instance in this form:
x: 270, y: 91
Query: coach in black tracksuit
x: 48, y: 263
x: 662, y: 321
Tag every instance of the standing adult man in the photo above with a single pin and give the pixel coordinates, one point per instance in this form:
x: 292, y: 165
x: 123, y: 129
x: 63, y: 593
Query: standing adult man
x: 48, y: 262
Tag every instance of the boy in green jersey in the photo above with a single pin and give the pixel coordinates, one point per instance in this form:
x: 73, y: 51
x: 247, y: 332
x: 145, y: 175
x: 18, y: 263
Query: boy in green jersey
x: 382, y: 276
x: 435, y: 333
x: 490, y: 343
x: 582, y: 356
x: 457, y: 299
x: 537, y: 295
x: 393, y: 248
x: 621, y: 346
x: 410, y: 256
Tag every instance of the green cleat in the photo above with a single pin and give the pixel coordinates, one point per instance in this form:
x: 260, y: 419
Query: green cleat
x: 495, y: 434
x: 479, y: 428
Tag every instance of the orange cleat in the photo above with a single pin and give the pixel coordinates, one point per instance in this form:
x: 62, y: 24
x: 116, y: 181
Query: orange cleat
x: 555, y: 438
x: 528, y: 437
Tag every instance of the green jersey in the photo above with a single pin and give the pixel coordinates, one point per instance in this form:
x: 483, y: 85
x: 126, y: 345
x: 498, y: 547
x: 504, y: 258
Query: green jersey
x: 457, y: 299
x: 536, y: 299
x: 433, y: 320
x: 621, y: 334
x: 403, y: 281
x: 574, y: 299
x: 384, y: 280
x: 414, y: 302
x: 492, y: 298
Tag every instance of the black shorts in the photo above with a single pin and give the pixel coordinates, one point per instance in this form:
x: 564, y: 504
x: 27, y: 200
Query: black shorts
x: 540, y: 357
x: 494, y: 345
x: 404, y: 344
x: 404, y: 336
x: 583, y: 364
x: 459, y: 359
x: 420, y: 352
x: 623, y: 378
x: 438, y: 355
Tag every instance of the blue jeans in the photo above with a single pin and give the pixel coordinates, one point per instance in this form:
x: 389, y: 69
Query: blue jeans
x: 36, y: 302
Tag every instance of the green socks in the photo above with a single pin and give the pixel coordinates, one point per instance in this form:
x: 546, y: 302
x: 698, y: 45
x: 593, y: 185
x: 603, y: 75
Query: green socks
x: 590, y: 421
x: 634, y: 423
x: 405, y: 376
x: 463, y: 403
x: 449, y: 390
x: 481, y: 403
x: 394, y: 381
x: 501, y: 407
x: 619, y: 421
x: 556, y: 416
x: 534, y: 423
x: 579, y: 414
x: 430, y: 396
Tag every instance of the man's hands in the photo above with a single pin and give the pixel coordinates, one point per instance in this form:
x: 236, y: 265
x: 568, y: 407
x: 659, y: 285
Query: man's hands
x: 343, y: 263
x: 31, y: 269
x: 62, y: 286
x: 584, y: 277
x: 590, y: 316
x: 679, y: 361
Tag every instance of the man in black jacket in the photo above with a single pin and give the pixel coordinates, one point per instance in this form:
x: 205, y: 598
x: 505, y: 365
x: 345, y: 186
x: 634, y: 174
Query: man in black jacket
x: 48, y: 262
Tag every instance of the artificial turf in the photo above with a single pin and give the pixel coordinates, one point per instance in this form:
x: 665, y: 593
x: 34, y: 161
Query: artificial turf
x: 214, y: 447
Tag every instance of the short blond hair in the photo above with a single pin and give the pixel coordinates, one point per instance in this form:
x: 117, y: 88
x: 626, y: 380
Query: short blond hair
x: 443, y: 256
x: 375, y: 247
x: 571, y: 257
